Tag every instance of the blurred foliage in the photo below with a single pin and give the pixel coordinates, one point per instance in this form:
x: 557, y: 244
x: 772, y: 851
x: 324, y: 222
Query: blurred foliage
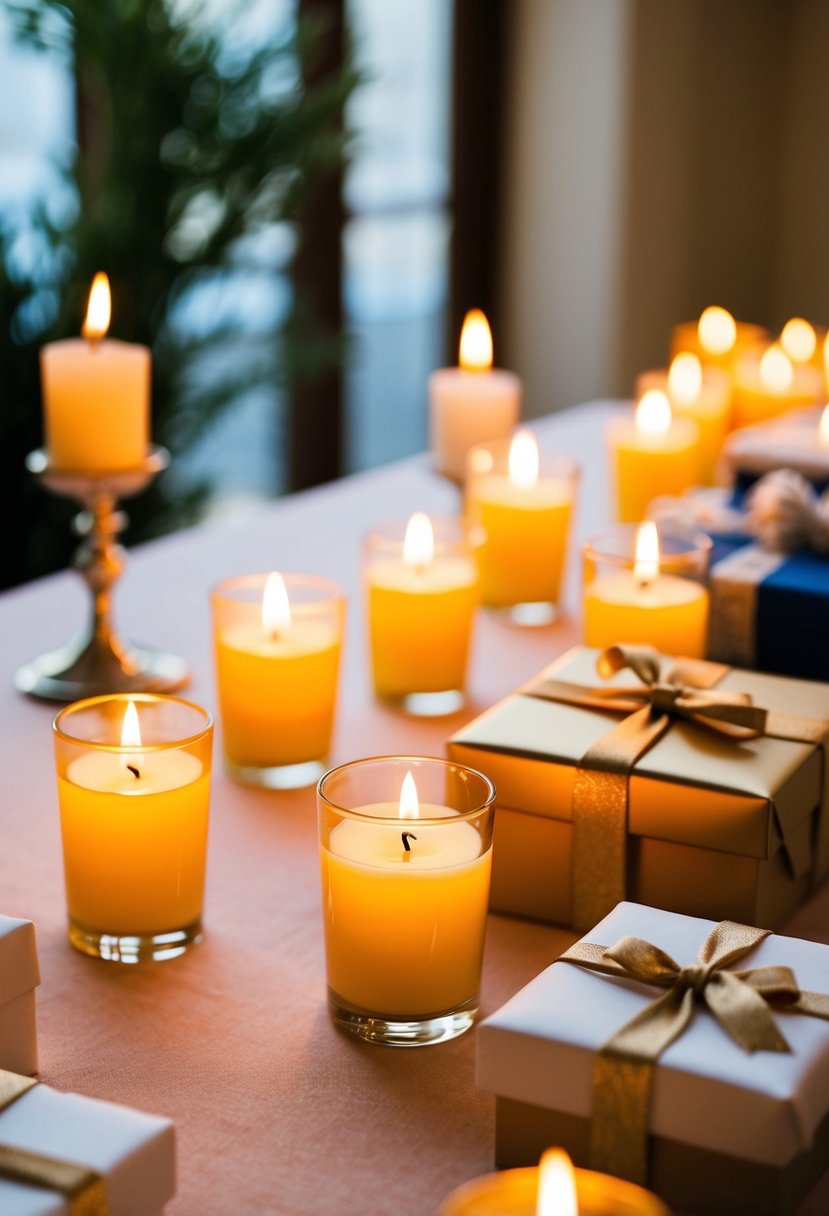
x: 189, y: 144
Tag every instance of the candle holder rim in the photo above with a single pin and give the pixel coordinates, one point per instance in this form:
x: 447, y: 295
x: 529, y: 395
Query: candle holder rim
x: 348, y: 812
x: 500, y: 447
x: 697, y: 542
x: 140, y: 748
x: 587, y: 1180
x: 292, y: 578
x: 391, y: 532
x: 156, y: 460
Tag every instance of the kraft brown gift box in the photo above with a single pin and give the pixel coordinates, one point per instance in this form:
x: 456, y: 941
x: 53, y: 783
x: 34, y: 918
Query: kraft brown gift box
x: 730, y: 1133
x: 717, y: 827
x: 19, y: 976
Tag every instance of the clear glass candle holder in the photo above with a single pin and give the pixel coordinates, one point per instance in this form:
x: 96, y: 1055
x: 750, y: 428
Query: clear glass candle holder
x: 405, y: 851
x: 656, y: 595
x: 420, y: 604
x: 134, y: 791
x: 277, y: 671
x: 524, y: 516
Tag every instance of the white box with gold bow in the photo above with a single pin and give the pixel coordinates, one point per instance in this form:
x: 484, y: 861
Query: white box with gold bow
x: 19, y: 976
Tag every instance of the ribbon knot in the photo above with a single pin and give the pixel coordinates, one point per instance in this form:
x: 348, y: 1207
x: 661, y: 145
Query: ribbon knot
x: 694, y: 978
x: 663, y: 697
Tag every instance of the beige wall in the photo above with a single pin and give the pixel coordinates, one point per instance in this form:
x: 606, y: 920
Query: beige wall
x: 662, y: 155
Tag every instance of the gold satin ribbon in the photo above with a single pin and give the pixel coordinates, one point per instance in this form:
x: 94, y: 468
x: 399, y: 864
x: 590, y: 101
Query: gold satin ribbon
x: 625, y: 1065
x: 601, y: 788
x: 83, y: 1188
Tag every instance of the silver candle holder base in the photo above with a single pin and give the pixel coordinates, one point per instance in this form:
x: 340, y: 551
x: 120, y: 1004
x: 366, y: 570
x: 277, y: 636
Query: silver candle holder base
x: 98, y: 660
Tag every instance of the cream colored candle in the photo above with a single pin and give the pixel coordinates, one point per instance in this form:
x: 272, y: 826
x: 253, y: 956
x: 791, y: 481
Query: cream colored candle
x: 421, y: 599
x: 277, y: 665
x: 472, y: 403
x: 554, y: 1188
x: 771, y: 384
x: 651, y: 454
x: 521, y: 503
x: 642, y: 605
x: 702, y: 394
x: 716, y: 338
x: 96, y: 395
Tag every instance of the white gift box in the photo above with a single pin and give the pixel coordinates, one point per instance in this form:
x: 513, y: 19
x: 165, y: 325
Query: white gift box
x: 730, y: 1132
x: 19, y: 976
x: 133, y: 1151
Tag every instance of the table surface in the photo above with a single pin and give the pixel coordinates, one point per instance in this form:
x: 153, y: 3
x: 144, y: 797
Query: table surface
x: 276, y: 1112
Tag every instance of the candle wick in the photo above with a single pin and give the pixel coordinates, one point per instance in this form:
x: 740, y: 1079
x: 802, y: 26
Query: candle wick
x: 132, y: 768
x: 406, y: 837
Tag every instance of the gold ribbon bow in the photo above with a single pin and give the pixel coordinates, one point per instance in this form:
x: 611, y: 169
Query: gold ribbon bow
x: 83, y: 1188
x: 625, y: 1066
x: 601, y: 787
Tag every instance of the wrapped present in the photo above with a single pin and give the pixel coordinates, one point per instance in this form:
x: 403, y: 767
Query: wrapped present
x: 793, y: 441
x: 684, y: 784
x: 686, y: 1055
x: 19, y: 976
x: 64, y: 1155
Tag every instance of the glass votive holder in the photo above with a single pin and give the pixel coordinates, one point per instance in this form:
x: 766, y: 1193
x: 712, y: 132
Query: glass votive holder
x: 277, y: 642
x: 405, y: 852
x: 521, y: 498
x: 651, y: 453
x: 644, y: 585
x: 134, y: 792
x: 421, y: 589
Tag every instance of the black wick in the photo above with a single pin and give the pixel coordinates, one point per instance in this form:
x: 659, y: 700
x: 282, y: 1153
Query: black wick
x: 134, y: 771
x: 406, y: 837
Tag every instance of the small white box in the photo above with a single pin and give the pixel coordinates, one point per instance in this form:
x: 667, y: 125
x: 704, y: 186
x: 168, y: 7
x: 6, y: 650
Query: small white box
x: 19, y: 976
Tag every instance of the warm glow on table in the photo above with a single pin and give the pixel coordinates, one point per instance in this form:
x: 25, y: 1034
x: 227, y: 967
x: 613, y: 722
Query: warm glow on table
x: 277, y: 668
x: 702, y: 394
x: 524, y: 516
x: 772, y: 384
x: 651, y: 454
x: 421, y: 601
x: 472, y: 403
x: 716, y: 338
x: 404, y: 926
x: 96, y: 395
x: 554, y: 1188
x: 643, y: 605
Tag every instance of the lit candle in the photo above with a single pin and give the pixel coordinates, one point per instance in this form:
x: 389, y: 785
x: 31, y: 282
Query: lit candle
x: 652, y: 454
x: 802, y: 342
x: 554, y: 1188
x: 133, y: 787
x: 277, y: 646
x: 635, y: 602
x: 96, y: 395
x: 716, y: 338
x: 771, y: 384
x: 702, y: 394
x: 521, y: 500
x: 405, y: 885
x: 421, y: 595
x: 471, y: 403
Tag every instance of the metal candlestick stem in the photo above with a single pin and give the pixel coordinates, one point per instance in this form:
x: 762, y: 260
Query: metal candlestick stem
x: 98, y: 660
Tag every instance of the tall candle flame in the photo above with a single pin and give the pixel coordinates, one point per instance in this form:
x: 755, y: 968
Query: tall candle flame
x: 653, y: 413
x: 130, y: 729
x: 798, y: 340
x: 646, y: 561
x: 99, y: 308
x: 557, y: 1194
x: 685, y: 378
x: 717, y: 330
x: 476, y: 342
x: 419, y: 542
x: 276, y: 608
x: 409, y: 804
x: 522, y: 461
x: 776, y: 371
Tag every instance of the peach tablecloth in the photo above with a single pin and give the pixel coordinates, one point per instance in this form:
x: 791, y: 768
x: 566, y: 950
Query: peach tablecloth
x: 276, y: 1113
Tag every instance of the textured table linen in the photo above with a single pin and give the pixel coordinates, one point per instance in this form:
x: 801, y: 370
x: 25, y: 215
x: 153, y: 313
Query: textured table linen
x: 276, y: 1113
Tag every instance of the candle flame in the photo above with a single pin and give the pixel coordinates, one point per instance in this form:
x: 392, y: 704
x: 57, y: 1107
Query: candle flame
x: 646, y: 561
x: 823, y: 427
x: 685, y: 378
x: 776, y: 371
x: 276, y: 609
x: 409, y: 805
x: 556, y: 1185
x: 717, y: 330
x: 653, y: 413
x: 419, y: 541
x: 522, y: 461
x: 476, y: 342
x: 99, y: 308
x: 798, y: 340
x: 130, y: 730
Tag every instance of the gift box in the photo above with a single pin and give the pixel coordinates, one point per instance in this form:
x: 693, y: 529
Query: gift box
x: 791, y: 441
x: 19, y: 976
x: 722, y: 1118
x: 687, y: 819
x: 61, y: 1154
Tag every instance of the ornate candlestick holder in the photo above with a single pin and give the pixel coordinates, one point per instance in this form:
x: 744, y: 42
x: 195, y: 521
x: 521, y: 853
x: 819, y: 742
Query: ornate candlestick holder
x: 97, y: 660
